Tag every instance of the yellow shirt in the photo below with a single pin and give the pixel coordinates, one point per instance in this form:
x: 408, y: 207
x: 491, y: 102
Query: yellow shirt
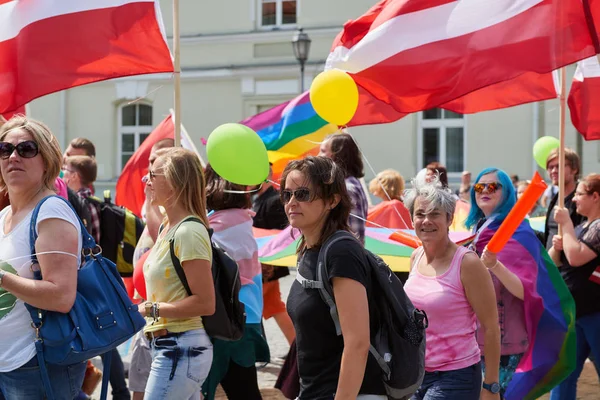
x: 191, y: 242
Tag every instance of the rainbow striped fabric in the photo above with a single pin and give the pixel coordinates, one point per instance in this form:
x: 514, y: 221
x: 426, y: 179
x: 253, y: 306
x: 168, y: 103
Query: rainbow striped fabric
x: 279, y: 247
x: 549, y: 313
x: 291, y: 130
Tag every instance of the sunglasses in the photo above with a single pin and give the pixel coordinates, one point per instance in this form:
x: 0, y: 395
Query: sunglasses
x: 302, y: 195
x: 26, y: 149
x: 491, y: 187
x: 153, y: 174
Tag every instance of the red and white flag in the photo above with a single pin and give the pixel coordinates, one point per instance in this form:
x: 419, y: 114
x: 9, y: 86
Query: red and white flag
x: 130, y: 189
x: 584, y: 98
x: 413, y: 55
x: 51, y: 45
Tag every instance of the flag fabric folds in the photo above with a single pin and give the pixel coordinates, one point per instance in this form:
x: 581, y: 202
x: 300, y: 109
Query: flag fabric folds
x: 10, y: 114
x: 130, y: 188
x: 584, y: 98
x: 279, y: 247
x: 51, y: 45
x: 409, y: 56
x: 290, y: 131
x: 549, y: 313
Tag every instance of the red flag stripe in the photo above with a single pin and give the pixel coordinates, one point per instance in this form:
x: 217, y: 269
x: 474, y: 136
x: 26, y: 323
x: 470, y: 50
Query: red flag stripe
x: 584, y: 99
x: 130, y: 189
x: 425, y: 59
x: 51, y: 45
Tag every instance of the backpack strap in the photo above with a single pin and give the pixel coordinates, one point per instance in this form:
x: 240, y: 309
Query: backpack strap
x: 323, y: 283
x: 327, y: 293
x: 175, y: 260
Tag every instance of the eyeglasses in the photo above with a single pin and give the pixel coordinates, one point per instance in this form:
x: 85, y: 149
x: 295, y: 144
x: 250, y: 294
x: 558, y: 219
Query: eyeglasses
x: 26, y: 149
x: 153, y: 174
x: 302, y: 195
x: 581, y: 194
x: 491, y: 187
x: 67, y: 170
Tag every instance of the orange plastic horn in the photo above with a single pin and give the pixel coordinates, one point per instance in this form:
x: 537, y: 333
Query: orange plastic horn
x: 518, y: 213
x: 406, y: 239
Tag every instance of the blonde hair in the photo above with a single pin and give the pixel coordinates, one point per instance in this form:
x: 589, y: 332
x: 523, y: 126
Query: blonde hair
x: 47, y: 145
x: 388, y: 181
x: 183, y: 171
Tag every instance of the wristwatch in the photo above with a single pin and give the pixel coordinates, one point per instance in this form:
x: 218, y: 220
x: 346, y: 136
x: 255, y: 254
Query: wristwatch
x: 493, y: 387
x: 148, y: 308
x: 2, y: 273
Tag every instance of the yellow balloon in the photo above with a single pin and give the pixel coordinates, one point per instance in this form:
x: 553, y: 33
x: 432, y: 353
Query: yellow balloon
x: 334, y: 96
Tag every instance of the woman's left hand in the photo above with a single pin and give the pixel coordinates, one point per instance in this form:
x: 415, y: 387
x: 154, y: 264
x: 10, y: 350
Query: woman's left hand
x: 488, y: 258
x: 142, y: 309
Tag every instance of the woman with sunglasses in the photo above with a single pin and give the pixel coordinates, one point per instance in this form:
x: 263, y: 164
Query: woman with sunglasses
x: 452, y: 286
x: 181, y: 349
x: 234, y: 363
x: 316, y: 202
x: 492, y: 197
x: 581, y: 246
x: 30, y: 161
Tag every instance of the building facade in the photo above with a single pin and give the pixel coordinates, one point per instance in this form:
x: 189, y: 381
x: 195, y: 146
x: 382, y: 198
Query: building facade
x: 237, y: 60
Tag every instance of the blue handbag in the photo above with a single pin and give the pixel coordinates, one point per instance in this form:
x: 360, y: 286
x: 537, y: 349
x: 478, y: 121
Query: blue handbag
x: 102, y: 317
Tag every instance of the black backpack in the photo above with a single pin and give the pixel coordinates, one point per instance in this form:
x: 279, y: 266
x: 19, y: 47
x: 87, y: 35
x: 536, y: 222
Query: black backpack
x: 81, y: 208
x: 227, y: 323
x: 120, y: 230
x: 399, y: 344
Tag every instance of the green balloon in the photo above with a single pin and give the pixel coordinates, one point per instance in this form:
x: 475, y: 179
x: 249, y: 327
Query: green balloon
x: 238, y: 154
x: 542, y: 148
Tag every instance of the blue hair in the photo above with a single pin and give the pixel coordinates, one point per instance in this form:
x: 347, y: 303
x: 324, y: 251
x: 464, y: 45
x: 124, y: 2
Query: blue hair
x: 509, y: 198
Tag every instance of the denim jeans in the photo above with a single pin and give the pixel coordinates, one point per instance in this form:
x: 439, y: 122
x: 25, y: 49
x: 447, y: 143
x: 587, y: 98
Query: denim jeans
x: 459, y: 384
x: 117, y: 377
x: 180, y: 364
x: 588, y: 343
x: 25, y: 383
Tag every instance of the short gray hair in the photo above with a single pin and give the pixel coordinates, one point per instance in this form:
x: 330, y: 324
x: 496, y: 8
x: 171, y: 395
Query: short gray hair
x: 432, y: 192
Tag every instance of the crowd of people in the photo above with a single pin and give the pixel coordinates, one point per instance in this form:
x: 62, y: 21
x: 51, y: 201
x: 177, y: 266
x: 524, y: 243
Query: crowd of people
x: 475, y: 299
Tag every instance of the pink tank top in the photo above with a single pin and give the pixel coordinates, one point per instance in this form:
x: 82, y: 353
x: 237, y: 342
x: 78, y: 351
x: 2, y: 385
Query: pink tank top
x: 451, y: 343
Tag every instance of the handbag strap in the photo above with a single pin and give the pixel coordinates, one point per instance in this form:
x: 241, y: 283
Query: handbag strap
x: 106, y: 360
x: 87, y: 241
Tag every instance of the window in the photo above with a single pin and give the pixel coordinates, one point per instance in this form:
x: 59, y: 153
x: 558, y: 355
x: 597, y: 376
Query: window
x: 135, y: 125
x: 278, y: 12
x: 442, y: 138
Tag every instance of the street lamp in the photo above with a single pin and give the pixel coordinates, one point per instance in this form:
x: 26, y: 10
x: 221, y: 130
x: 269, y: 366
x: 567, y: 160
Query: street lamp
x: 301, y: 44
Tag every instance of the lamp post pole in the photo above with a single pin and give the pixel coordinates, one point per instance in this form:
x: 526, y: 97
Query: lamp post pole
x: 301, y: 46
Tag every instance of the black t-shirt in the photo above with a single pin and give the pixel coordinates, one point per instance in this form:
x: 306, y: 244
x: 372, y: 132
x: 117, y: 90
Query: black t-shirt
x: 269, y: 210
x: 585, y: 292
x: 319, y: 347
x: 552, y: 225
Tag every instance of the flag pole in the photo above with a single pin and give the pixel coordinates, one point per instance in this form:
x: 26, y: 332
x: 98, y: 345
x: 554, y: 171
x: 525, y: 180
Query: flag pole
x: 561, y: 138
x: 177, y: 73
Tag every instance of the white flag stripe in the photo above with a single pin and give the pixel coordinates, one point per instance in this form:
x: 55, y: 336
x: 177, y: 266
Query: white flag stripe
x: 588, y: 68
x: 431, y: 25
x: 16, y: 15
x: 596, y: 274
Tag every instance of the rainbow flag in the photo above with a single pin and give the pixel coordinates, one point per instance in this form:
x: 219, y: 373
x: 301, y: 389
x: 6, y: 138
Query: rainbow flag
x: 279, y: 247
x: 291, y: 130
x: 549, y: 313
